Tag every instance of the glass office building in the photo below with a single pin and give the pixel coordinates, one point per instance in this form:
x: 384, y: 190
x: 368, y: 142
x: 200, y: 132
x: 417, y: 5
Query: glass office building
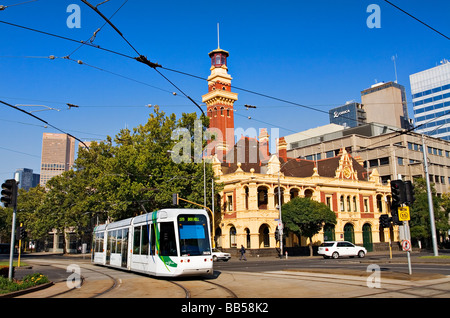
x: 430, y: 91
x: 349, y: 115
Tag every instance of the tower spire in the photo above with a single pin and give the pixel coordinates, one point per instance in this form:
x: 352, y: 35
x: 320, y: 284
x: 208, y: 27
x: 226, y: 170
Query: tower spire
x: 218, y: 36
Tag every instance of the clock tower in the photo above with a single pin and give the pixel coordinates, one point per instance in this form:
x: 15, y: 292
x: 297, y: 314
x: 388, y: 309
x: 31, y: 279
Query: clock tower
x: 219, y: 102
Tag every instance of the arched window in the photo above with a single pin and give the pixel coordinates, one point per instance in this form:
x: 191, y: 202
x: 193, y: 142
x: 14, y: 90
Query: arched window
x: 308, y: 193
x: 349, y: 233
x: 233, y: 237
x: 293, y: 193
x: 247, y: 231
x: 276, y: 195
x: 262, y: 197
x: 264, y: 240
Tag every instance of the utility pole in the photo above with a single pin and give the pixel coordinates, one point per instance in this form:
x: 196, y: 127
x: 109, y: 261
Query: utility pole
x: 430, y: 199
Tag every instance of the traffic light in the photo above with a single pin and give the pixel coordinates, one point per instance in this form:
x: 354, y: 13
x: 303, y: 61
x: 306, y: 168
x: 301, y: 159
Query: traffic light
x: 175, y: 199
x: 22, y: 233
x: 385, y: 221
x: 9, y: 193
x: 398, y: 193
x: 409, y: 192
x: 277, y: 234
x: 394, y: 213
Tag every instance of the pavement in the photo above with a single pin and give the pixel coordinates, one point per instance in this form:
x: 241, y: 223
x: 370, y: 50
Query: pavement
x: 58, y: 274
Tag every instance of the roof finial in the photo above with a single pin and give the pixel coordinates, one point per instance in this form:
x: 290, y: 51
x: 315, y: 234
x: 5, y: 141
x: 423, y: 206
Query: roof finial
x: 218, y: 36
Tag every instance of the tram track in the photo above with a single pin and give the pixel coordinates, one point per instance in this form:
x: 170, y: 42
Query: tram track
x: 193, y: 288
x: 407, y: 288
x: 83, y: 283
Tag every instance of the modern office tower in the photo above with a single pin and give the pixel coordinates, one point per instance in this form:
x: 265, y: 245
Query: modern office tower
x: 385, y: 103
x: 27, y: 179
x: 351, y: 114
x: 58, y: 153
x: 430, y: 91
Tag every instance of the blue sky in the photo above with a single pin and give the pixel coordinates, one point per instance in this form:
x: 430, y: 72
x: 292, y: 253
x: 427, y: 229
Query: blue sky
x: 316, y: 53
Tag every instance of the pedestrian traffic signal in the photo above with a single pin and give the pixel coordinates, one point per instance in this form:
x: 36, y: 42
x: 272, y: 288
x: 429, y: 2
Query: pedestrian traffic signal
x: 409, y: 192
x: 385, y: 221
x: 394, y: 213
x: 398, y: 193
x: 9, y: 193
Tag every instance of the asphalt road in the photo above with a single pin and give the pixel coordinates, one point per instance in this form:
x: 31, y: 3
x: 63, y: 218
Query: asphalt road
x: 398, y: 264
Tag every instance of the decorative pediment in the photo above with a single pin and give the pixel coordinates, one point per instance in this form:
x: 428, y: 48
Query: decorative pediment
x: 345, y: 170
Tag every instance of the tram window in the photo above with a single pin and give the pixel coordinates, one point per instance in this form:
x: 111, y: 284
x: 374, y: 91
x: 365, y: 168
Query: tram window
x: 99, y: 242
x: 193, y: 234
x: 153, y: 240
x: 119, y: 241
x: 113, y: 242
x: 137, y: 240
x: 167, y: 239
x: 145, y: 239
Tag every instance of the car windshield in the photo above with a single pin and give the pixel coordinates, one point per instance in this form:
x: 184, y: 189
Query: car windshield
x: 326, y: 244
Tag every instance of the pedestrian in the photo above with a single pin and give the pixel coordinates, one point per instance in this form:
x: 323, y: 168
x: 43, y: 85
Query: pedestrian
x: 242, y: 253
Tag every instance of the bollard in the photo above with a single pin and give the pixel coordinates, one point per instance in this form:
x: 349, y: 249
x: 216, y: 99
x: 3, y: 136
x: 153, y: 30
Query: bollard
x: 286, y: 255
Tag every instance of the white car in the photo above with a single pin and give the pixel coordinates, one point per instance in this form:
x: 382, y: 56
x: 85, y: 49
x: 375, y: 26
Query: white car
x: 219, y: 255
x: 335, y: 249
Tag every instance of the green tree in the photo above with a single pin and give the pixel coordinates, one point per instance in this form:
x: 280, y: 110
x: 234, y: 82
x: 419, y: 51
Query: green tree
x: 420, y: 216
x: 122, y: 177
x: 306, y: 217
x: 28, y: 204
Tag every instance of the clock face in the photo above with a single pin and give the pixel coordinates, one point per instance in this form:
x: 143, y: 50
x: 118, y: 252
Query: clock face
x: 347, y: 172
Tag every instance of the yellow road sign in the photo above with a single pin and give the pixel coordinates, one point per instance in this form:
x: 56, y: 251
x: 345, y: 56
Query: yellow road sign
x: 403, y: 213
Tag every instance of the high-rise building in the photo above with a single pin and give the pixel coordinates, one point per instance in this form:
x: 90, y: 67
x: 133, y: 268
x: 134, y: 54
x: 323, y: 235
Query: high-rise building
x: 27, y: 179
x: 430, y: 91
x: 58, y: 153
x: 386, y: 103
x: 351, y: 114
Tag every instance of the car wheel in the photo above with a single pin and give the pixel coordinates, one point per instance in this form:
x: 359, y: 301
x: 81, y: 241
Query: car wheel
x: 361, y: 254
x: 335, y: 255
x: 214, y: 258
x: 225, y: 260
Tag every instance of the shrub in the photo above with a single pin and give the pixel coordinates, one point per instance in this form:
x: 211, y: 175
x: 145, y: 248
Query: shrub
x: 7, y: 286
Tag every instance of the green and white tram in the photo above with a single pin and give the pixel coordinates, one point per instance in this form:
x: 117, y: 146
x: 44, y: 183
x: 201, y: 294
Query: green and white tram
x: 169, y: 242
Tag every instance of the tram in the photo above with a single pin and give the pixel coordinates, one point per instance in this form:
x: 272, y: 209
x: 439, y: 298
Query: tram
x: 168, y: 242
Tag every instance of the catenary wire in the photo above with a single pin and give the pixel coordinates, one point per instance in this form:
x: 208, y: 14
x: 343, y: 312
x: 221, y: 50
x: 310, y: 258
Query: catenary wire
x: 425, y: 24
x: 45, y: 122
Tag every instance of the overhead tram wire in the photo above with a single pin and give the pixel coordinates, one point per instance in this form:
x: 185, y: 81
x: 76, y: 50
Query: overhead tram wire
x: 144, y: 60
x: 67, y: 39
x: 92, y: 38
x: 425, y: 24
x: 141, y: 58
x: 45, y: 122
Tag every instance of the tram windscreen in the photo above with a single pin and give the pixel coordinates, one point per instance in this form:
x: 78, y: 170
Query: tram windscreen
x: 193, y: 232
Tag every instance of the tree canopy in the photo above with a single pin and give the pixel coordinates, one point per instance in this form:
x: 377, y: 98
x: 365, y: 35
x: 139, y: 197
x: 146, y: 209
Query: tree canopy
x: 119, y: 178
x: 306, y: 217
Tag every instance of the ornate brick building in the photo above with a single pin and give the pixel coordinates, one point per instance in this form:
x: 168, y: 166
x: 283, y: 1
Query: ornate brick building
x: 252, y: 178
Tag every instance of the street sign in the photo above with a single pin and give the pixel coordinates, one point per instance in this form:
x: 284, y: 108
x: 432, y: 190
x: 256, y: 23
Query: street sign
x: 406, y: 245
x: 403, y: 213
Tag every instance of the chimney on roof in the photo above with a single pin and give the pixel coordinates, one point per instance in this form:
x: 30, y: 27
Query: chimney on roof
x: 282, y: 149
x: 264, y: 144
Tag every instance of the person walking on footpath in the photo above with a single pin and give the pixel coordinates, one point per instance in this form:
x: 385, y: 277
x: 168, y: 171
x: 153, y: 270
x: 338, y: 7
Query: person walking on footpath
x: 242, y: 253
